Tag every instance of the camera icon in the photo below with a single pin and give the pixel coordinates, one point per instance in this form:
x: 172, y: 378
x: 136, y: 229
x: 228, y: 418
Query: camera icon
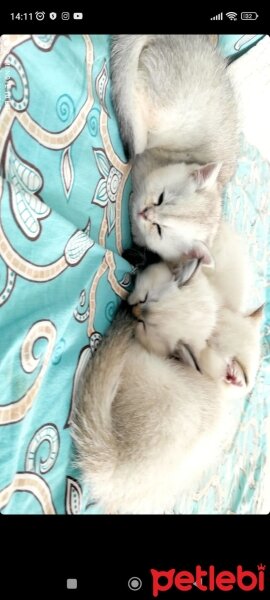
x: 77, y: 15
x: 65, y: 16
x: 40, y: 15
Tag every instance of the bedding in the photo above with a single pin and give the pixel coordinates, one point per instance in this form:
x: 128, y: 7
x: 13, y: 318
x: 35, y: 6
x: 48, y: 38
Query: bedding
x: 64, y: 224
x: 232, y: 46
x: 64, y: 193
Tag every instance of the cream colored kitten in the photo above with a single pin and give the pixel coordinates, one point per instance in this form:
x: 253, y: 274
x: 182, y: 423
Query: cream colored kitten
x: 177, y: 114
x: 169, y: 310
x: 236, y: 344
x: 146, y: 426
x: 174, y: 204
x: 172, y: 93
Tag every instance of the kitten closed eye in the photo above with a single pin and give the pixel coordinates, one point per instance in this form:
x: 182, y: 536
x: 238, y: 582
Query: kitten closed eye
x: 143, y: 301
x: 160, y: 200
x: 158, y: 229
x: 143, y: 323
x: 140, y: 301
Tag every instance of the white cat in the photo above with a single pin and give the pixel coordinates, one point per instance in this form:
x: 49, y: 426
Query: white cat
x: 177, y: 114
x: 173, y: 205
x: 146, y: 425
x: 172, y: 92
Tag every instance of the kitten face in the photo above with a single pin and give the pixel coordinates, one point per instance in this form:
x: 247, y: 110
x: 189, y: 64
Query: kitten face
x: 169, y: 307
x: 232, y: 354
x: 173, y: 205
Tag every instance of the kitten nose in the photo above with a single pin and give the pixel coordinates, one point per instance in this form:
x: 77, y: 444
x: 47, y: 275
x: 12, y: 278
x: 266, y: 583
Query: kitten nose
x: 143, y: 213
x: 150, y: 214
x: 147, y: 213
x: 136, y: 311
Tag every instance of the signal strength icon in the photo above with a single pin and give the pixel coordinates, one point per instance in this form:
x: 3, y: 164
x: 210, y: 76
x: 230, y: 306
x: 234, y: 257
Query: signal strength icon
x: 218, y: 17
x: 232, y: 16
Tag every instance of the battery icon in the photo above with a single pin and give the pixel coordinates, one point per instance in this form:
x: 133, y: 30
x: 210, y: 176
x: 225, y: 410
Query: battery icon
x: 249, y: 16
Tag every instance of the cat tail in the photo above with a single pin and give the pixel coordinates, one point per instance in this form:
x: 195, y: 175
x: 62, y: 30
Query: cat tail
x: 96, y: 446
x: 125, y: 55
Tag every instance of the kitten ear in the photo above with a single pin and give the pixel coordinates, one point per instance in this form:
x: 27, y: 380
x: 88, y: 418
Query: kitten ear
x: 257, y: 314
x: 200, y: 251
x: 235, y: 374
x: 184, y: 272
x: 183, y: 353
x: 198, y: 255
x: 206, y: 176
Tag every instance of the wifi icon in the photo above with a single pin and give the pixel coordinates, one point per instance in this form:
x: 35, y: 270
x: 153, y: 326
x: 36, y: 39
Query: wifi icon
x: 232, y: 16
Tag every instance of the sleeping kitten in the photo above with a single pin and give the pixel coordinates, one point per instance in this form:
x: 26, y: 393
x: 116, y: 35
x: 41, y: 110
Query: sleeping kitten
x: 172, y: 92
x: 176, y: 110
x: 232, y: 275
x: 233, y: 349
x: 146, y: 425
x: 157, y: 289
x: 174, y: 204
x: 231, y: 283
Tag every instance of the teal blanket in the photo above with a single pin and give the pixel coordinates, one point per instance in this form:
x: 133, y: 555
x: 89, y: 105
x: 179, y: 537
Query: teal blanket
x: 64, y: 193
x: 64, y: 223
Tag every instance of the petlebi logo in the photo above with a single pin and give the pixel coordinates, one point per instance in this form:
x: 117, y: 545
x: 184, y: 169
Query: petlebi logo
x: 208, y: 579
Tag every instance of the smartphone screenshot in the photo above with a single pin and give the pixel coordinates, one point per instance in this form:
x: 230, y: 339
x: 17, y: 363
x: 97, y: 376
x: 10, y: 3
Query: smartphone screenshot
x: 134, y: 302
